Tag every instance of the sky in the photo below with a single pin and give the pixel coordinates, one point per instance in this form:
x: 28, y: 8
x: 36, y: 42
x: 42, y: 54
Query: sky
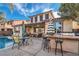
x: 21, y: 11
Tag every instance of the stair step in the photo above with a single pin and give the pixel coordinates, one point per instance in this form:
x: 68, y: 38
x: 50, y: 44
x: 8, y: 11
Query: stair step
x: 51, y: 28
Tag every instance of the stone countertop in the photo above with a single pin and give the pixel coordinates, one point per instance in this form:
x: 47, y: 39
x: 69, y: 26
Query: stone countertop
x: 67, y: 37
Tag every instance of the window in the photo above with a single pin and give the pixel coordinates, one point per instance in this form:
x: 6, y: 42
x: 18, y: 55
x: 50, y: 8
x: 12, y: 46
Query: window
x: 9, y: 23
x: 17, y: 28
x: 2, y: 24
x: 77, y: 23
x: 41, y: 17
x: 2, y: 29
x: 59, y: 30
x: 9, y: 29
x: 32, y: 19
x: 36, y: 19
x: 34, y: 29
x: 46, y: 16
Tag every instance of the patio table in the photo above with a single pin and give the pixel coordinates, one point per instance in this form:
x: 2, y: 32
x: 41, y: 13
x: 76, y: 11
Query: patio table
x: 63, y: 37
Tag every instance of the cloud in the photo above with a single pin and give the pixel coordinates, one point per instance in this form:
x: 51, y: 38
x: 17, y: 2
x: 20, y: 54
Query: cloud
x: 47, y: 9
x: 56, y: 15
x: 20, y: 9
x: 24, y: 10
x: 34, y: 8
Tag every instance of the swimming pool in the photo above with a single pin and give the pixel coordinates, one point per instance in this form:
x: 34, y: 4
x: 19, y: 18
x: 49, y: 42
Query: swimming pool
x: 5, y: 41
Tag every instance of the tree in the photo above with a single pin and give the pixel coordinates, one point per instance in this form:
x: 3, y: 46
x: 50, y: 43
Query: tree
x: 69, y: 10
x: 2, y: 16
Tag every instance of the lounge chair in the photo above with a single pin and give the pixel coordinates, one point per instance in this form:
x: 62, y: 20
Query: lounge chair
x: 16, y: 40
x: 25, y: 39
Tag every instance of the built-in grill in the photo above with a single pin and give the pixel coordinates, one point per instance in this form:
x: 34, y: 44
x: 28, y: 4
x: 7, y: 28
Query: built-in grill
x: 77, y: 34
x: 76, y: 31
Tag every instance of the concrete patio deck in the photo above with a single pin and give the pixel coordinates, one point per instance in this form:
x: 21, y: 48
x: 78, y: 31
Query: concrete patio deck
x: 32, y: 50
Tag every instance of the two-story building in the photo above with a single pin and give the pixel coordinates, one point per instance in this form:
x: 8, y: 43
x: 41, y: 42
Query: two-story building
x: 70, y: 26
x: 11, y: 27
x: 39, y: 23
x: 6, y: 28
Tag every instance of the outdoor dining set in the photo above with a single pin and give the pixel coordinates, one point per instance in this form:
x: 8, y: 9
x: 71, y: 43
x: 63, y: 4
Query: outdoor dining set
x: 20, y: 41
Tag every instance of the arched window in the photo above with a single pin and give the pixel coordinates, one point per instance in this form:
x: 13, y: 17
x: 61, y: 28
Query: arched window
x: 41, y: 17
x: 32, y: 19
x: 36, y: 19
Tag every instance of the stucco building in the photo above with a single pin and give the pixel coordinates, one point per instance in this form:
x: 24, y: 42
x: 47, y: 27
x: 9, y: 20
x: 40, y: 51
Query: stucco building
x: 39, y: 23
x: 19, y: 26
x: 6, y: 28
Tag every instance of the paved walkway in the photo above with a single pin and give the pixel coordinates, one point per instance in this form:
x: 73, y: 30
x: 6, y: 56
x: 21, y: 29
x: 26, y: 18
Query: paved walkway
x: 33, y: 49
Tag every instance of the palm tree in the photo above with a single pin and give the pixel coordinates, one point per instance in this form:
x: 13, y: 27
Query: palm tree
x: 2, y: 16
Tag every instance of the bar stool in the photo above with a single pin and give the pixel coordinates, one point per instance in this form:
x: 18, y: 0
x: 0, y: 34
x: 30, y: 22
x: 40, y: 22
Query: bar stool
x: 46, y: 44
x: 58, y: 41
x: 49, y: 45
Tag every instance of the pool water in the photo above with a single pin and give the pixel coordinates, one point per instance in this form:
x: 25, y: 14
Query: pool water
x: 4, y: 41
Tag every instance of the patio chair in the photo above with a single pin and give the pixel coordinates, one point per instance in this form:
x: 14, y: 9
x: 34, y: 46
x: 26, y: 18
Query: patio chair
x: 46, y: 44
x: 16, y: 40
x: 25, y: 41
x: 30, y: 41
x: 40, y: 35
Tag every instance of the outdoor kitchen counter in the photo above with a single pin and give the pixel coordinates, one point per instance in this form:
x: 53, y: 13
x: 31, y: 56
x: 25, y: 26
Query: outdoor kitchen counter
x: 69, y: 37
x: 70, y: 43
